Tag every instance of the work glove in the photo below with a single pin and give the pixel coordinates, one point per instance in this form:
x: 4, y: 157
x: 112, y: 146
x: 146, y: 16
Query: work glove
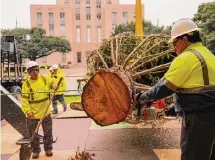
x: 136, y: 96
x: 30, y: 115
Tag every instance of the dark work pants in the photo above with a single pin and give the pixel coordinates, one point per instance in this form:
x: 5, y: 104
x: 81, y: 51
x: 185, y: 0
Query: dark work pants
x: 198, y: 136
x: 47, y: 131
x: 62, y: 101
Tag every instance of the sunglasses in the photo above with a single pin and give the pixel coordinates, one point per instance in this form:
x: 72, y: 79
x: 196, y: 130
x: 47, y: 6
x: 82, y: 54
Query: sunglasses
x: 175, y: 42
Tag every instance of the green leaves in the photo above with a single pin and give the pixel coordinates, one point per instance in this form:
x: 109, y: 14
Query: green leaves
x: 39, y: 45
x: 149, y: 28
x: 205, y: 18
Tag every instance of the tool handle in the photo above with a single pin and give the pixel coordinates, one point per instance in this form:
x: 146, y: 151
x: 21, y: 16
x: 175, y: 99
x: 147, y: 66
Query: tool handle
x: 41, y: 120
x: 59, y: 82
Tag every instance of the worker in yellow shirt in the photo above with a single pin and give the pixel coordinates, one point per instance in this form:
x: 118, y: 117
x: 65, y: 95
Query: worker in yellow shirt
x: 34, y: 107
x: 59, y: 96
x: 191, y: 80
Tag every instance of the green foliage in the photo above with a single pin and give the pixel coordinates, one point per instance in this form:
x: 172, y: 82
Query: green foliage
x: 149, y: 28
x: 38, y: 45
x: 205, y: 18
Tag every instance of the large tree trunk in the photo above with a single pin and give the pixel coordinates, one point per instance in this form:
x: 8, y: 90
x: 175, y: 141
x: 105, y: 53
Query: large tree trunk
x: 107, y: 97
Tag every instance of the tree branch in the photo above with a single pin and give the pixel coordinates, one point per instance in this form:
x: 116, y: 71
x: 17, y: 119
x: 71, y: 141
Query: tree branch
x: 142, y: 88
x: 155, y: 57
x: 141, y: 85
x: 112, y: 52
x: 136, y: 48
x: 102, y: 59
x: 151, y: 70
x: 117, y: 48
x: 147, y: 52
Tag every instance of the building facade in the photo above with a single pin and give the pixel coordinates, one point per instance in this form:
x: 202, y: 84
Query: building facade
x: 84, y: 23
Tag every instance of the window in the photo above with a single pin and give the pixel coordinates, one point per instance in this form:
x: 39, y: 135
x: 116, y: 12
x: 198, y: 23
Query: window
x: 99, y: 34
x: 62, y: 25
x: 66, y: 1
x: 79, y: 57
x: 88, y: 10
x: 51, y: 29
x: 98, y: 8
x: 87, y: 2
x: 89, y: 36
x: 62, y: 30
x: 88, y: 16
x: 63, y: 58
x: 51, y: 18
x: 44, y: 59
x: 99, y: 16
x: 98, y: 3
x: 51, y: 24
x: 77, y: 14
x: 62, y: 18
x: 77, y: 10
x: 78, y: 34
x: 114, y: 20
x: 109, y: 2
x: 39, y: 19
x: 125, y: 17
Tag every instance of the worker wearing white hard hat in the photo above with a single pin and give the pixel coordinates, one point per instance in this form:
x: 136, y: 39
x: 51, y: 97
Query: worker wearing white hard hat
x: 181, y: 27
x: 59, y: 96
x: 34, y: 107
x: 54, y: 66
x: 31, y: 65
x: 191, y: 81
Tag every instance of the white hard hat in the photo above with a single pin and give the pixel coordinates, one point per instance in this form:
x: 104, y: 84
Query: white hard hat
x: 54, y: 66
x: 50, y: 68
x: 181, y: 27
x: 31, y: 64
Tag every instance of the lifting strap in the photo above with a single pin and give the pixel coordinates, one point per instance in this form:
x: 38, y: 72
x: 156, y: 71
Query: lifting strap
x: 204, y: 66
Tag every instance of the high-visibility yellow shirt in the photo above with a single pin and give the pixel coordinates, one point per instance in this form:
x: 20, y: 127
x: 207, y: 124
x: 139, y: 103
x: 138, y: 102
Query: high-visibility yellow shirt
x: 186, y: 69
x: 56, y: 77
x: 36, y: 102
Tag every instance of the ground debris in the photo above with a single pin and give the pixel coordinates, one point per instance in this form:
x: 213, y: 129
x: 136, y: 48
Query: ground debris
x: 82, y: 155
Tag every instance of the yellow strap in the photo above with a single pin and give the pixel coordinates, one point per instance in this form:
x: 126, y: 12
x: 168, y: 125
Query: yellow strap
x: 25, y: 97
x: 30, y: 89
x: 38, y: 101
x: 204, y: 66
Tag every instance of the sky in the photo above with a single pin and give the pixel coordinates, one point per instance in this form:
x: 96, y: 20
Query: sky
x: 163, y: 12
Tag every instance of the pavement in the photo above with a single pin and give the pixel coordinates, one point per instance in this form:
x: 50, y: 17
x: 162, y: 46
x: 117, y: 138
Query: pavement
x: 116, y: 142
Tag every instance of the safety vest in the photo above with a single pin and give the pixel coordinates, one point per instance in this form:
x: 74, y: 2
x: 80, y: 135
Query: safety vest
x: 191, y: 76
x: 36, y: 102
x: 56, y: 77
x: 31, y: 98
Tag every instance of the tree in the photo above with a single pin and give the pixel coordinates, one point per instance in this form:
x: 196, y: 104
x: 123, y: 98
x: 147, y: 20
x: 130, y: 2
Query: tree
x: 205, y: 18
x: 149, y: 28
x: 38, y: 44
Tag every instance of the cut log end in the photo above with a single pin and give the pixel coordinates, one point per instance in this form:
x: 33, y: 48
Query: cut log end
x: 106, y: 97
